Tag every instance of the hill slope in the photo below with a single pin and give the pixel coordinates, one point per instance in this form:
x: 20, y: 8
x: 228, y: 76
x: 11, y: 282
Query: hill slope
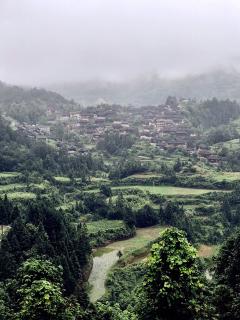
x: 31, y: 105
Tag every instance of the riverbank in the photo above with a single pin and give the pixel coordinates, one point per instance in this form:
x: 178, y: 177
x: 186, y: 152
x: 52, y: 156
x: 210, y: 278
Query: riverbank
x: 106, y: 257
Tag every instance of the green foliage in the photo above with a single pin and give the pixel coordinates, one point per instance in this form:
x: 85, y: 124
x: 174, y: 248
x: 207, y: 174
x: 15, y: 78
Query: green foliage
x: 106, y: 190
x: 39, y: 292
x: 146, y: 217
x: 174, y: 215
x: 122, y: 283
x: 30, y: 105
x: 221, y: 134
x: 8, y: 212
x: 126, y: 168
x: 227, y: 276
x: 103, y: 231
x: 172, y: 287
x: 21, y: 153
x: 114, y: 142
x: 47, y: 233
x: 108, y: 312
x: 213, y: 113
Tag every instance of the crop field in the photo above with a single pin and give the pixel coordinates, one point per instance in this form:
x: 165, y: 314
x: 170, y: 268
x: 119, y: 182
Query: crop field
x: 215, y: 175
x: 103, y: 225
x: 21, y: 186
x: 62, y: 179
x: 163, y: 190
x: 166, y: 190
x: 228, y: 176
x: 9, y: 187
x: 21, y: 195
x: 147, y: 175
x: 6, y: 175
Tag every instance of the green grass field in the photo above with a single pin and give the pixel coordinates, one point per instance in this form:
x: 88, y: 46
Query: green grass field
x: 228, y: 176
x: 142, y: 238
x: 163, y: 190
x: 13, y: 186
x: 103, y: 225
x: 21, y: 195
x: 6, y: 175
x: 62, y: 179
x: 166, y: 190
x: 213, y: 174
x: 147, y: 175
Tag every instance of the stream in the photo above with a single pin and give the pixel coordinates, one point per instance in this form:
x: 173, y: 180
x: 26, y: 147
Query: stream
x: 101, y: 265
x: 106, y: 257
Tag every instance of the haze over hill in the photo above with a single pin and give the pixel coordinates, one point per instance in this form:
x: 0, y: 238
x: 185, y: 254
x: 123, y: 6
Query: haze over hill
x: 75, y: 42
x: 154, y: 90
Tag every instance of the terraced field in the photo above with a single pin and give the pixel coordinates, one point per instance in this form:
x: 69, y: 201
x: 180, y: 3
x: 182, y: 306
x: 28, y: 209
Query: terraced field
x: 103, y: 225
x: 21, y: 195
x: 6, y: 175
x: 166, y: 190
x: 9, y: 187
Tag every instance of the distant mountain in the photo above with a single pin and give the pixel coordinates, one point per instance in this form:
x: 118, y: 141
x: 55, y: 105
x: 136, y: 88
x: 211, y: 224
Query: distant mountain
x: 31, y: 104
x: 154, y: 90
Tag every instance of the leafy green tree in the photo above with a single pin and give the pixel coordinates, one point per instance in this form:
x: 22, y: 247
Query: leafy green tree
x: 105, y: 311
x: 5, y: 311
x: 177, y: 166
x: 39, y: 292
x: 106, y: 190
x: 146, y: 217
x: 227, y: 275
x: 172, y: 288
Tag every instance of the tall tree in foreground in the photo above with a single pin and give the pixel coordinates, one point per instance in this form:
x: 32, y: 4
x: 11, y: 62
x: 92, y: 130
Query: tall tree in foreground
x: 172, y: 288
x: 227, y: 274
x: 39, y: 293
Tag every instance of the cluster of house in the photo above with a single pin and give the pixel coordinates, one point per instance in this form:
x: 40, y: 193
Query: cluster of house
x: 35, y: 131
x: 164, y: 125
x: 205, y: 154
x: 167, y: 128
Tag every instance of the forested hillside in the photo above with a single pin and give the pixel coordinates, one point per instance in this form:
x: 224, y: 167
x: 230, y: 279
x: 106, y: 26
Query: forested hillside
x: 213, y: 113
x: 31, y: 105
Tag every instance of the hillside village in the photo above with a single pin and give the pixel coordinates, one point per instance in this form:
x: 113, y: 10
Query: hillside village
x: 164, y: 126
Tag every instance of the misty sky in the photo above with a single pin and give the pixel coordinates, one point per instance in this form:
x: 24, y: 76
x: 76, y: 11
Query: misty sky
x: 48, y: 41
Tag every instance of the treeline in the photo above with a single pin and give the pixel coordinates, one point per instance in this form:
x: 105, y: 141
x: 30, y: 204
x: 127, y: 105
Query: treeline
x: 127, y: 168
x: 213, y: 113
x: 98, y: 206
x: 8, y: 211
x: 221, y: 134
x: 114, y: 142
